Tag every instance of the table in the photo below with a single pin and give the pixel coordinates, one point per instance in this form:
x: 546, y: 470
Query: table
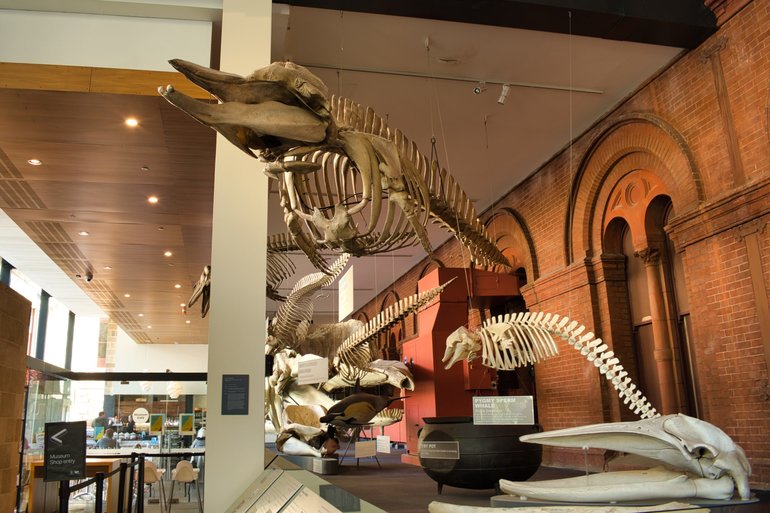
x: 44, y: 496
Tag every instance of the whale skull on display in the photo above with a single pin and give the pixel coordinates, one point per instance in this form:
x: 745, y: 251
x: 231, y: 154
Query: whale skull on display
x: 700, y: 461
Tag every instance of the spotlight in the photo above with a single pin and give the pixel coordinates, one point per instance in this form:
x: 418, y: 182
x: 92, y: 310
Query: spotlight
x: 480, y: 88
x: 503, y: 94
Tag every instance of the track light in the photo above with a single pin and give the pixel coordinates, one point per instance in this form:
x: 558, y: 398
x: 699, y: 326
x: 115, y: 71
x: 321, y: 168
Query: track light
x: 480, y: 88
x: 503, y: 94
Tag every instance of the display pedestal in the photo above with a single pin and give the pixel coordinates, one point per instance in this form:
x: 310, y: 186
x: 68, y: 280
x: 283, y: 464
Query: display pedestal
x: 322, y: 466
x: 715, y: 506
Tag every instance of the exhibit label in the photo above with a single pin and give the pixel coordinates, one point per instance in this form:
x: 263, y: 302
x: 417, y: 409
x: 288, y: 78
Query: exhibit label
x: 383, y: 444
x: 235, y: 394
x: 366, y: 449
x: 503, y: 410
x: 444, y: 450
x: 312, y: 369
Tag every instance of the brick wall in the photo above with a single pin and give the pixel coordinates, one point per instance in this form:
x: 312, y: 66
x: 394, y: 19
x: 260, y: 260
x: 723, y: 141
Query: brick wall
x: 702, y: 127
x: 14, y: 324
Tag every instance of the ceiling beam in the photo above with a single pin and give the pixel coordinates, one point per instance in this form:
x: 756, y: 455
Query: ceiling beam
x: 84, y: 79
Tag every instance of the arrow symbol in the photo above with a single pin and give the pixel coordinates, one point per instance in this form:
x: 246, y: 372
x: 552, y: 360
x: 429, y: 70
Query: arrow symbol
x: 56, y: 438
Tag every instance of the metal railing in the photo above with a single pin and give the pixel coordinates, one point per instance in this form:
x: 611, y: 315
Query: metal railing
x: 135, y: 471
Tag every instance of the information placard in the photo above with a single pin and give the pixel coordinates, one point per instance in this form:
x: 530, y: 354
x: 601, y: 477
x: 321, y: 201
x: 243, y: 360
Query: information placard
x: 366, y: 449
x: 503, y: 410
x: 65, y: 451
x: 443, y: 450
x: 255, y: 491
x: 308, y: 502
x: 383, y: 444
x: 235, y: 394
x: 277, y: 495
x: 312, y: 369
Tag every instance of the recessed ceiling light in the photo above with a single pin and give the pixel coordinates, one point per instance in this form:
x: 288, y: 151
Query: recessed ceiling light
x: 182, y: 304
x: 167, y: 253
x: 152, y: 199
x: 141, y: 315
x: 126, y: 295
x: 177, y: 286
x: 149, y: 326
x: 161, y: 228
x: 187, y: 321
x: 83, y: 233
x: 145, y: 168
x: 107, y: 268
x: 132, y: 122
x: 34, y: 162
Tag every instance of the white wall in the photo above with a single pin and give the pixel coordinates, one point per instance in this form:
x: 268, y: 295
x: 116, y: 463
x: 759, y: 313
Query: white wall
x: 125, y: 42
x: 133, y: 357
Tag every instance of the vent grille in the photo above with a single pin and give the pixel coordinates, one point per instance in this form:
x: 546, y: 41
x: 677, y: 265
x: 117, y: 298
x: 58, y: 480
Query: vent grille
x: 140, y: 337
x: 49, y: 231
x: 125, y: 320
x: 18, y: 194
x: 7, y: 169
x: 103, y: 296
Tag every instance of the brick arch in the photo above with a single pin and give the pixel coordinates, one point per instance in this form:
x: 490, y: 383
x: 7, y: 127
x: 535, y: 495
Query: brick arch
x: 387, y: 342
x: 432, y: 264
x: 635, y: 136
x: 633, y: 190
x: 511, y: 236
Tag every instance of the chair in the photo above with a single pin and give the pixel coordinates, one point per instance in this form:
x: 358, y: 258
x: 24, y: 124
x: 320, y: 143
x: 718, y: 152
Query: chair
x: 153, y: 474
x: 185, y: 473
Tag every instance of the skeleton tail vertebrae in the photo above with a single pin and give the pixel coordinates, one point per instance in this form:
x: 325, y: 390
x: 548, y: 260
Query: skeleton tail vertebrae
x: 354, y: 353
x: 515, y: 339
x: 279, y: 265
x: 432, y: 189
x: 297, y: 311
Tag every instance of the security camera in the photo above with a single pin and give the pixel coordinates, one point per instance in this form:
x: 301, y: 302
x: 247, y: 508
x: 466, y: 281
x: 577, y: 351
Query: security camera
x: 480, y: 88
x: 89, y: 276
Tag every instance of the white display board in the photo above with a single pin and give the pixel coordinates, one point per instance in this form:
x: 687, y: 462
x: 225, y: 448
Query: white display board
x: 312, y: 369
x: 503, y: 410
x: 366, y: 449
x: 383, y: 444
x: 345, y: 291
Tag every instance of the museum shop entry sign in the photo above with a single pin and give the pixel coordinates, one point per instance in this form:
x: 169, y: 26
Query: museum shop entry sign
x: 503, y: 410
x: 65, y: 451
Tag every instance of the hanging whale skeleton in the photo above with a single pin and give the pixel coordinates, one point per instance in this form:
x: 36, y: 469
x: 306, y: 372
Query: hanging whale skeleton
x: 335, y: 162
x: 699, y: 459
x: 347, y: 182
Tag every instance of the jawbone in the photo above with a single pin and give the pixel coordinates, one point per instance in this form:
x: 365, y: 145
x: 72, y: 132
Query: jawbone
x: 702, y: 461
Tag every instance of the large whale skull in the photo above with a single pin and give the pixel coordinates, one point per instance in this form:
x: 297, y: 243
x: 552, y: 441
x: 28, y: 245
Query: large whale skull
x: 701, y: 460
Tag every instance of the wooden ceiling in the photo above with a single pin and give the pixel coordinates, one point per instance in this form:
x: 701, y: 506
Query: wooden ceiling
x: 95, y: 178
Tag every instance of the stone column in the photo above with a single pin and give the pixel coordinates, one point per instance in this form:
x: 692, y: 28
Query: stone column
x: 662, y: 353
x: 235, y: 439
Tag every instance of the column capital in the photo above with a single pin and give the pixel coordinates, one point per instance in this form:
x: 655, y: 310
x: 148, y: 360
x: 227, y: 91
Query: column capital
x: 650, y: 256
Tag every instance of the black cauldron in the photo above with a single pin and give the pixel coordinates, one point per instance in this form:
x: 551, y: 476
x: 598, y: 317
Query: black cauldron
x: 487, y: 453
